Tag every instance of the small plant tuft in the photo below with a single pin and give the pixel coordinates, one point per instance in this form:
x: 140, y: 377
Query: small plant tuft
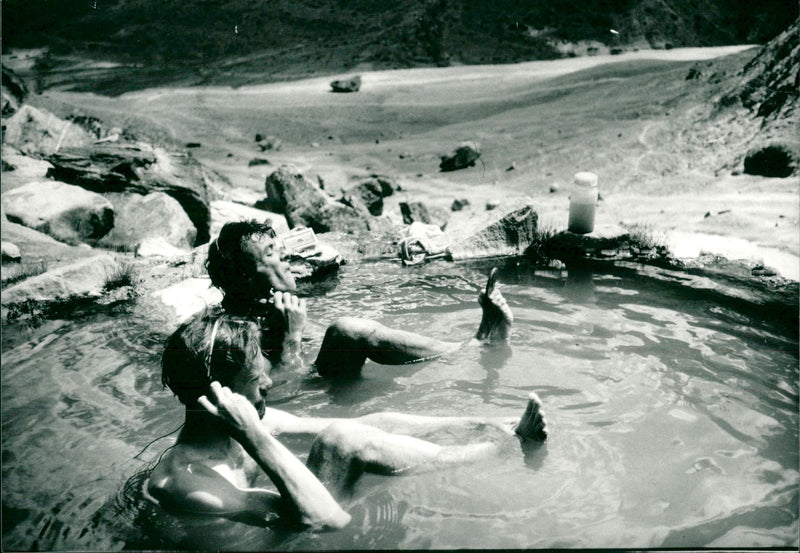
x: 539, y: 248
x: 124, y: 275
x: 644, y: 237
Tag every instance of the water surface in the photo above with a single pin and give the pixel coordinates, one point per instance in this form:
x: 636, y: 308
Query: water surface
x: 673, y: 412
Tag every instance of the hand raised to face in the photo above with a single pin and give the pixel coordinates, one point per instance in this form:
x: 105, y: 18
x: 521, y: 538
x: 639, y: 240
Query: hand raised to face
x: 233, y: 408
x: 293, y: 310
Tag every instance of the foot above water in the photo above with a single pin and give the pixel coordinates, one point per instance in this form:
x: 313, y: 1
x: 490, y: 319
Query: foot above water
x: 532, y: 425
x: 497, y: 316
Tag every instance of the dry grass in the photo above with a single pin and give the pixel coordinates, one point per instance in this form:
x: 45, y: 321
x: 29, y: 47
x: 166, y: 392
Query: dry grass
x: 124, y: 275
x: 13, y: 273
x: 644, y: 236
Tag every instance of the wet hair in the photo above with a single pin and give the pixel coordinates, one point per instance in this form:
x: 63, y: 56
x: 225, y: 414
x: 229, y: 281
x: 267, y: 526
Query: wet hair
x: 213, y: 346
x: 229, y: 267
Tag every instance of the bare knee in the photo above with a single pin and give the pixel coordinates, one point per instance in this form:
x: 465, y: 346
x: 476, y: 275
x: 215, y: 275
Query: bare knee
x: 354, y: 329
x: 336, y: 446
x: 345, y: 346
x: 339, y: 436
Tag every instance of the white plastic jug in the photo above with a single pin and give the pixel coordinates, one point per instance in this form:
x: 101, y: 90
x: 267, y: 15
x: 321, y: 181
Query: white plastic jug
x: 582, y: 203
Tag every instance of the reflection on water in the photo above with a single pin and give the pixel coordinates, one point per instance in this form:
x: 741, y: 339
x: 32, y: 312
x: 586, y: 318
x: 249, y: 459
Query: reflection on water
x: 673, y: 410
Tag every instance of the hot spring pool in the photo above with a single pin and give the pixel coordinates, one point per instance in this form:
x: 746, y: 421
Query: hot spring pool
x: 673, y: 412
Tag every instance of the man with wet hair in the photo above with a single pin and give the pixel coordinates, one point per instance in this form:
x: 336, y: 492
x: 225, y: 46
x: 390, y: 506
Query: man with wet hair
x: 215, y: 367
x: 245, y: 263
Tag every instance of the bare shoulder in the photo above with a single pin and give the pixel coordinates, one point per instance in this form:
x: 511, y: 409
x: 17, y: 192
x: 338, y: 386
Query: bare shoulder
x: 181, y: 484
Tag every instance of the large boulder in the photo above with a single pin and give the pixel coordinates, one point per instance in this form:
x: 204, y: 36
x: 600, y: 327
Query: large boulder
x: 14, y: 92
x: 140, y: 218
x: 225, y: 212
x: 370, y: 193
x: 353, y: 84
x: 84, y: 278
x: 305, y: 204
x: 68, y: 213
x: 465, y: 155
x: 139, y: 168
x: 505, y: 231
x: 38, y: 132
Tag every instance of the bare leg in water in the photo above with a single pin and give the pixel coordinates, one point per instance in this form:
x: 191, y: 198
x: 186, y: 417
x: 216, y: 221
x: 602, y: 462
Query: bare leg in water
x: 350, y: 341
x: 346, y: 448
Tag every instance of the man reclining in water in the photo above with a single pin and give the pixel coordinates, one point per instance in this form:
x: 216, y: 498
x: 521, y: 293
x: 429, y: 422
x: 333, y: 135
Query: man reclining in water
x: 229, y: 436
x: 244, y: 262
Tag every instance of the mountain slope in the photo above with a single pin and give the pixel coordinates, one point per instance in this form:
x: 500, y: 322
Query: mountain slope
x: 331, y: 35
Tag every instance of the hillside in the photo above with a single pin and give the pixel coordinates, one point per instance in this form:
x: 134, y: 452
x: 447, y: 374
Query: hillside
x: 226, y: 40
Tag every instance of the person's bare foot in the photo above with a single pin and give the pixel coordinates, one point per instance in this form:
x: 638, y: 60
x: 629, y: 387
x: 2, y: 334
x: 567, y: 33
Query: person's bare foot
x: 497, y: 317
x: 532, y: 425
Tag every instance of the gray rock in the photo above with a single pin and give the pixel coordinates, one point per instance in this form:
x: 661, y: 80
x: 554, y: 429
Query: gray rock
x: 501, y: 232
x: 305, y: 204
x: 40, y: 249
x: 353, y: 84
x: 158, y: 247
x: 68, y: 213
x: 37, y: 131
x: 465, y: 155
x: 419, y: 212
x: 268, y: 143
x: 139, y: 218
x: 10, y: 252
x: 458, y: 205
x: 84, y: 278
x: 326, y: 260
x: 140, y: 168
x: 370, y: 194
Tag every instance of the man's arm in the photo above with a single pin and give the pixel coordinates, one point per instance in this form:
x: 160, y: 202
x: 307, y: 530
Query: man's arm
x: 297, y: 485
x: 293, y: 310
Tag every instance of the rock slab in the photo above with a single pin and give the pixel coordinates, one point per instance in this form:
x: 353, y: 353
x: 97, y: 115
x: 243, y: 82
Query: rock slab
x: 84, y: 278
x: 68, y: 213
x: 501, y: 232
x: 138, y: 168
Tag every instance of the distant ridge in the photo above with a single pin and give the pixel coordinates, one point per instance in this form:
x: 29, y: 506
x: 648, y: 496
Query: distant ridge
x: 296, y: 37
